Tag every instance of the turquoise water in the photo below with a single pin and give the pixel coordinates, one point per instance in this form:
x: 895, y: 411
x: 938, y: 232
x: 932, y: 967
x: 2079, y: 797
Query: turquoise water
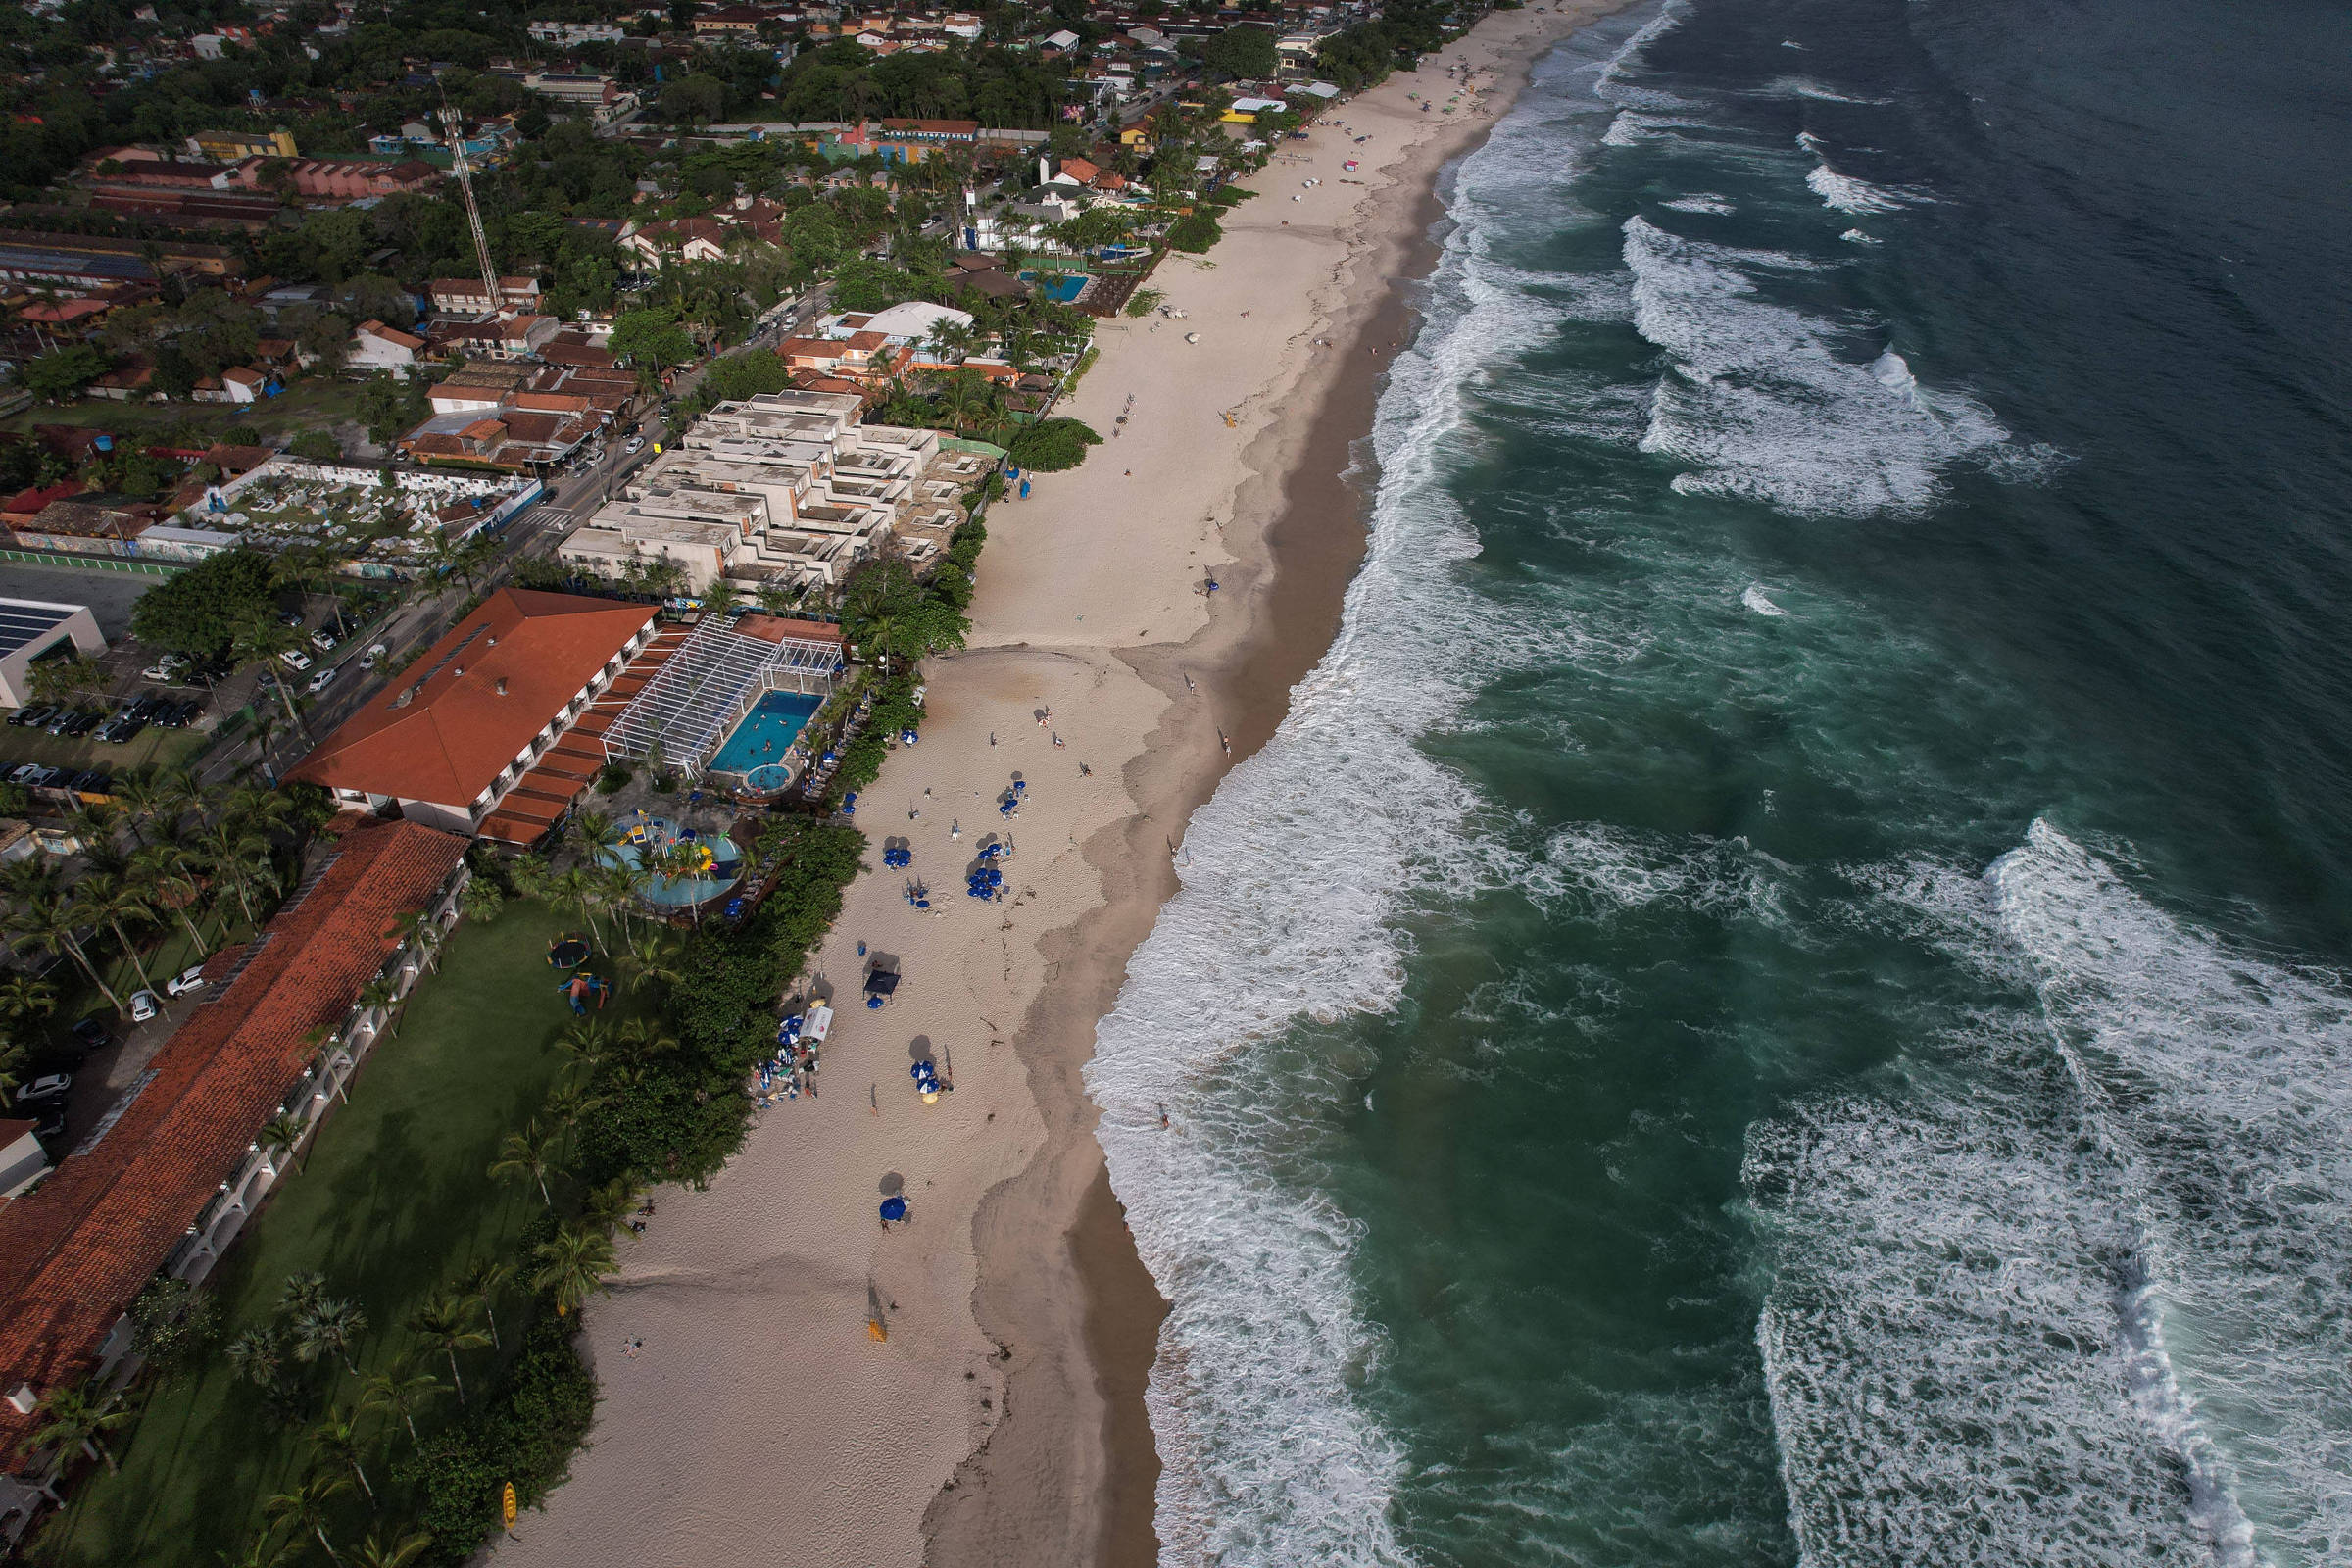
x: 676, y: 892
x: 1776, y: 998
x: 1062, y: 288
x: 766, y: 732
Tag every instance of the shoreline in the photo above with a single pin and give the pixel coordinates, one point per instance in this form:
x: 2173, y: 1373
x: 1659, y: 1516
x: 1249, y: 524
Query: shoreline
x: 968, y: 1389
x: 1294, y: 567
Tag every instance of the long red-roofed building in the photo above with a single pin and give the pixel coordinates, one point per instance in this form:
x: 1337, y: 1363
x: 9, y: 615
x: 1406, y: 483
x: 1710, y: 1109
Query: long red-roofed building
x: 451, y: 739
x: 168, y: 1180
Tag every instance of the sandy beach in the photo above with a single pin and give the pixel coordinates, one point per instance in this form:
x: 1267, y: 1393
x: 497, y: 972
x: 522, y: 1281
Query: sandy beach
x: 1002, y: 1419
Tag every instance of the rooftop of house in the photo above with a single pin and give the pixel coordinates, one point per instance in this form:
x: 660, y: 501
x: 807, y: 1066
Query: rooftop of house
x: 485, y: 690
x: 74, y: 1252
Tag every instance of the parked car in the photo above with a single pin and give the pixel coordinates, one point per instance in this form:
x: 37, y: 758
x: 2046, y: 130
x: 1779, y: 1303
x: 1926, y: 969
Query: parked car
x: 324, y: 640
x: 143, y: 1005
x: 52, y: 1086
x: 295, y: 659
x: 37, y: 713
x: 117, y: 731
x: 324, y: 679
x: 168, y: 668
x: 92, y: 1035
x: 82, y: 723
x: 189, y: 979
x: 22, y: 772
x: 288, y: 618
x: 50, y: 1124
x: 60, y: 718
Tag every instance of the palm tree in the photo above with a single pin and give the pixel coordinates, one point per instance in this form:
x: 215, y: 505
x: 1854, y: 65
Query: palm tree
x: 330, y: 1328
x: 398, y: 1553
x: 25, y: 1000
x: 107, y: 899
x: 174, y: 873
x: 76, y: 1415
x: 400, y: 1390
x: 528, y: 1156
x: 444, y: 1323
x: 575, y: 893
x: 608, y: 1205
x: 236, y: 852
x: 48, y: 922
x: 425, y: 932
x: 643, y: 1037
x: 381, y: 995
x: 597, y: 832
x: 282, y: 1136
x: 573, y: 1264
x: 265, y: 1551
x: 259, y: 640
x: 145, y: 797
x: 256, y: 1356
x: 652, y: 961
x: 305, y: 1507
x: 338, y: 1439
x: 481, y: 1282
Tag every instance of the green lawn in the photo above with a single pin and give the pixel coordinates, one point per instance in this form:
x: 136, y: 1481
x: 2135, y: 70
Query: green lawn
x: 392, y: 1199
x: 310, y: 404
x: 152, y: 746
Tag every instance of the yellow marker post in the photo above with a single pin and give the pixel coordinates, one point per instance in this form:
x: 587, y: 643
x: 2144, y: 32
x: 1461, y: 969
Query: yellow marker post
x: 506, y: 1506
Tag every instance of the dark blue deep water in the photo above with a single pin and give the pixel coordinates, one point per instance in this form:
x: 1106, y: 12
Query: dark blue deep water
x: 1778, y: 998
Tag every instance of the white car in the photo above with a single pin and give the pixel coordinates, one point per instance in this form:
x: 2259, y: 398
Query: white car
x: 143, y: 1005
x: 324, y: 640
x: 167, y: 668
x: 321, y: 681
x: 295, y: 659
x: 52, y: 1086
x: 633, y: 444
x: 189, y: 979
x: 374, y: 656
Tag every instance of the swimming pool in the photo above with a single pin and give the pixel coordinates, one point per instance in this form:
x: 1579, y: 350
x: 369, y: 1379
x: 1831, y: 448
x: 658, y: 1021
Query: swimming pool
x: 766, y: 731
x: 1061, y: 288
x: 721, y: 861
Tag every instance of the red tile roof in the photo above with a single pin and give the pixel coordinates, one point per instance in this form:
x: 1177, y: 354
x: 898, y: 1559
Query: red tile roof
x: 76, y: 1250
x: 455, y: 731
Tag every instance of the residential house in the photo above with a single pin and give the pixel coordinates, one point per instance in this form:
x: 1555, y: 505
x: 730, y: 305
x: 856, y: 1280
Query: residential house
x: 378, y: 347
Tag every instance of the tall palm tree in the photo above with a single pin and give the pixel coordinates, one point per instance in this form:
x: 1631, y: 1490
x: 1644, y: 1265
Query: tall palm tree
x: 381, y: 995
x: 338, y: 1440
x: 48, y: 922
x: 575, y: 893
x: 400, y: 1390
x: 643, y: 1037
x: 144, y: 797
x: 443, y: 1322
x: 236, y: 854
x: 528, y: 1156
x: 305, y: 1507
x: 282, y: 1136
x: 398, y: 1553
x: 481, y: 1282
x: 608, y: 1205
x: 573, y: 1264
x: 256, y: 1356
x: 259, y: 640
x: 597, y: 833
x: 76, y: 1415
x: 425, y: 932
x: 330, y: 1328
x: 654, y: 961
x: 25, y: 1000
x: 173, y: 876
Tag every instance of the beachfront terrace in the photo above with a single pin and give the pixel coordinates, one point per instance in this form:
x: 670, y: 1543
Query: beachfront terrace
x: 712, y: 681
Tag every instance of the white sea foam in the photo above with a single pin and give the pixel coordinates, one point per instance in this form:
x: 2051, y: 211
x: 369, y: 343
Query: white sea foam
x: 1760, y: 405
x: 1819, y: 92
x: 2079, y: 1305
x: 1291, y: 876
x: 1849, y: 194
x: 1855, y: 236
x: 1756, y: 599
x: 1633, y: 126
x: 1699, y: 202
x: 1616, y: 84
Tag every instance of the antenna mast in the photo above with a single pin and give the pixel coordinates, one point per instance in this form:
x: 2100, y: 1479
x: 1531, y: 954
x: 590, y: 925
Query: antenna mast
x: 450, y: 122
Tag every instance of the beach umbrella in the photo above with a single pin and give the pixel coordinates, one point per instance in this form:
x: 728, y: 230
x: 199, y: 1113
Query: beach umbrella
x: 893, y: 1207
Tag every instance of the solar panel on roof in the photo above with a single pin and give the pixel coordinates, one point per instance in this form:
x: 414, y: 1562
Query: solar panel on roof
x: 21, y: 624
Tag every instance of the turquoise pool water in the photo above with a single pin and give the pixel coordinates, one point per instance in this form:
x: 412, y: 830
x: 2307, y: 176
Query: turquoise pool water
x: 765, y: 732
x: 643, y: 834
x: 1062, y: 288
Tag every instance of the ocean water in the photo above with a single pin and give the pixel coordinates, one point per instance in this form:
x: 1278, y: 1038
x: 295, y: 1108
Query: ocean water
x: 1777, y: 1000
